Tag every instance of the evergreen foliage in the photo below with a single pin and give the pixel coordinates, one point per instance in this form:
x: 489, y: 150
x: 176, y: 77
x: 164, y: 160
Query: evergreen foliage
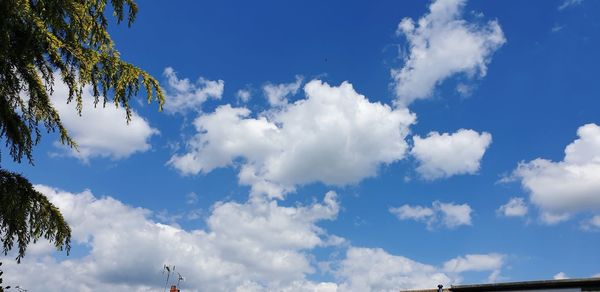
x: 40, y: 39
x: 26, y: 215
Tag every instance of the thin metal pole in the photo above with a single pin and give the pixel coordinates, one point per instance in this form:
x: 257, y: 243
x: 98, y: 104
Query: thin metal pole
x: 168, y: 275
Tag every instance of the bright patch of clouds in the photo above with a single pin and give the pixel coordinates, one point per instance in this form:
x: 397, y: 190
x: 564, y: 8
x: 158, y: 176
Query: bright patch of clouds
x: 442, y: 44
x: 572, y: 185
x: 454, y: 215
x: 256, y: 245
x: 334, y: 136
x: 100, y: 131
x: 277, y: 94
x: 183, y: 95
x: 560, y: 276
x: 474, y: 262
x: 373, y: 269
x: 253, y: 244
x: 569, y: 3
x: 516, y: 207
x: 449, y: 215
x: 445, y: 155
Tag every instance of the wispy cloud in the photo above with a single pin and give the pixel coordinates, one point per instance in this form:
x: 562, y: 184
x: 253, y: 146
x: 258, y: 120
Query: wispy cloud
x: 569, y: 3
x: 449, y: 215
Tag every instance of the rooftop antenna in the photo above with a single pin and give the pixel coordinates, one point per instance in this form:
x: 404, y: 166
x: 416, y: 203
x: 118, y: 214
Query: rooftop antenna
x: 179, y: 278
x: 169, y: 271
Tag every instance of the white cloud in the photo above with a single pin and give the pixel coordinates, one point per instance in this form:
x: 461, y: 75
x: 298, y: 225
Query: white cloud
x: 572, y: 185
x: 553, y: 218
x: 477, y: 263
x: 560, y: 276
x: 516, y: 207
x: 256, y: 245
x: 243, y: 95
x: 268, y: 238
x: 406, y: 212
x: 373, y: 269
x: 182, y: 95
x: 334, y: 136
x: 454, y: 215
x: 277, y: 94
x: 100, y: 131
x: 474, y: 262
x: 445, y: 155
x: 449, y: 215
x: 253, y: 244
x: 592, y: 223
x: 442, y: 44
x: 569, y: 3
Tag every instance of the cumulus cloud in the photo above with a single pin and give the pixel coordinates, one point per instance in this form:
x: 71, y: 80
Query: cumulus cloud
x: 100, y: 131
x: 334, y: 136
x: 448, y: 215
x: 454, y: 215
x: 277, y: 94
x: 445, y: 155
x: 442, y: 44
x: 515, y: 207
x: 373, y: 269
x: 183, y: 95
x: 565, y: 187
x: 477, y: 263
x: 257, y: 244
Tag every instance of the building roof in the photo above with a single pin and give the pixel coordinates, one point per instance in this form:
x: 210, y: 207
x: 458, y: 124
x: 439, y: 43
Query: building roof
x: 586, y: 284
x: 426, y: 290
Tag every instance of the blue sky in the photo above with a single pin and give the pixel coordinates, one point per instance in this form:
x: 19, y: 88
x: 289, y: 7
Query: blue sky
x: 422, y: 142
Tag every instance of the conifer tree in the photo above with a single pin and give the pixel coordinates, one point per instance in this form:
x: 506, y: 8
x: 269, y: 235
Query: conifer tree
x: 41, y: 39
x: 26, y: 215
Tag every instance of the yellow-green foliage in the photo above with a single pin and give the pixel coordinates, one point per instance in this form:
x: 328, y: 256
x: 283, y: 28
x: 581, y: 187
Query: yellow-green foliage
x: 39, y: 37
